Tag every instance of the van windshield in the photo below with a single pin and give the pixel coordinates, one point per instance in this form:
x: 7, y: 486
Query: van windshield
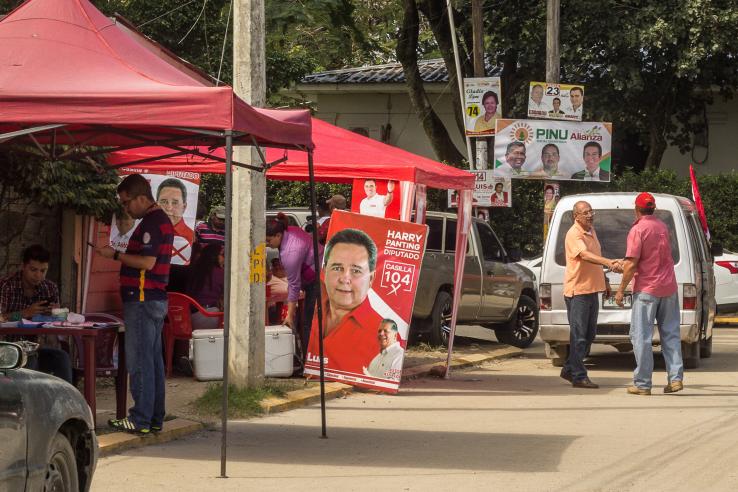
x: 612, y: 228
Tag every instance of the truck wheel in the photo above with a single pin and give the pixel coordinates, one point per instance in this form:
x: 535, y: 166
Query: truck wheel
x: 691, y: 355
x: 558, y: 354
x: 522, y: 328
x: 440, y: 319
x: 706, y: 348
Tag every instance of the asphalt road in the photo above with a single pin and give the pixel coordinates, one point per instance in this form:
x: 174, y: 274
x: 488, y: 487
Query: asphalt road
x: 512, y: 425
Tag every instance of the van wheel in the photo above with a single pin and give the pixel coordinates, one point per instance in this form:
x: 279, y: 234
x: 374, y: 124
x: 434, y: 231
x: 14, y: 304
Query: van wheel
x: 706, y: 348
x: 691, y: 355
x: 440, y: 320
x: 522, y: 328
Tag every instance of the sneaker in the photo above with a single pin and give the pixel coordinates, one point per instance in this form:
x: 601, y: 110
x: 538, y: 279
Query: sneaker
x: 126, y: 425
x: 156, y: 428
x: 673, y: 387
x: 635, y: 390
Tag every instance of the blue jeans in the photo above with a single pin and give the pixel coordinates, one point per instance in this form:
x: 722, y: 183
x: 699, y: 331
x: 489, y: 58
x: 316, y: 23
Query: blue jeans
x: 581, y: 311
x: 52, y: 361
x: 665, y: 311
x: 144, y: 360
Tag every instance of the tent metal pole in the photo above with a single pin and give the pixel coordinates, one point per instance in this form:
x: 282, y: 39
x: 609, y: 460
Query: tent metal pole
x: 459, y: 77
x: 227, y: 299
x: 319, y: 310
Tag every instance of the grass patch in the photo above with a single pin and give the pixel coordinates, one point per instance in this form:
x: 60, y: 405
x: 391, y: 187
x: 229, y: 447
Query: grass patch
x: 425, y: 347
x: 242, y: 403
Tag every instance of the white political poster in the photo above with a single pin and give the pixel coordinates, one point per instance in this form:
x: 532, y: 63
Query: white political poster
x: 555, y: 101
x: 482, y: 98
x: 554, y: 150
x: 489, y: 191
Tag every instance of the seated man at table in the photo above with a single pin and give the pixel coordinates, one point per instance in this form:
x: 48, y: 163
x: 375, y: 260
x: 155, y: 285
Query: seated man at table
x: 27, y: 293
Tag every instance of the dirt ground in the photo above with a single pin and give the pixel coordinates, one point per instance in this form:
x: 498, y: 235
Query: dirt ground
x: 183, y: 390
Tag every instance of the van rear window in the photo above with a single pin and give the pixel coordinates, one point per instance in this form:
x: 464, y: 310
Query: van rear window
x: 612, y: 228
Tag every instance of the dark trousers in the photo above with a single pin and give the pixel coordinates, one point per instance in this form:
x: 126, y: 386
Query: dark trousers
x: 311, y: 296
x: 581, y: 311
x: 52, y: 361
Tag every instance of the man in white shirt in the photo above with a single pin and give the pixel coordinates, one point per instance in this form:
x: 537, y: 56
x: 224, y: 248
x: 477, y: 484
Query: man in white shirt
x: 515, y: 158
x: 374, y: 204
x: 536, y: 106
x: 576, y: 98
x: 388, y: 362
x: 121, y: 233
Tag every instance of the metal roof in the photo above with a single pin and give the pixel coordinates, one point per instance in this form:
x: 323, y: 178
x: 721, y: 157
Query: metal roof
x: 391, y: 73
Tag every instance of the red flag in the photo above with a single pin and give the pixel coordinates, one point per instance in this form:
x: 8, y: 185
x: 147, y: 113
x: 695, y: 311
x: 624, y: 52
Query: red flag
x: 698, y: 202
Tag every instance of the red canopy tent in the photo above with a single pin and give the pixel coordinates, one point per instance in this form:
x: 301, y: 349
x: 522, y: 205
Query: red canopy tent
x: 340, y: 156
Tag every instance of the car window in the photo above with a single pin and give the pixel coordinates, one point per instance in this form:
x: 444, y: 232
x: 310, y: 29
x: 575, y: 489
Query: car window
x: 450, y: 241
x: 612, y: 226
x: 491, y: 248
x: 435, y: 234
x: 290, y: 218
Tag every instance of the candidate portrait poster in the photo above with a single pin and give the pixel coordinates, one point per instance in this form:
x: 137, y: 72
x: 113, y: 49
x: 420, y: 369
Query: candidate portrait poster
x: 489, y: 191
x: 376, y: 197
x: 176, y: 193
x: 555, y: 101
x: 553, y: 150
x: 369, y: 278
x: 482, y: 105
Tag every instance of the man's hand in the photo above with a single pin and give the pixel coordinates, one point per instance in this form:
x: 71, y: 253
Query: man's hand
x: 619, y: 298
x: 40, y: 307
x: 390, y: 186
x: 105, y: 252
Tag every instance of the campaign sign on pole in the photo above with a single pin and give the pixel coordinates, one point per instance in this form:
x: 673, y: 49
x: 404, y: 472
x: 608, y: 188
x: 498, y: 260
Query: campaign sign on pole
x: 560, y: 150
x: 376, y: 197
x: 482, y: 98
x: 368, y: 281
x: 489, y: 191
x: 555, y: 101
x: 176, y: 193
x: 551, y: 195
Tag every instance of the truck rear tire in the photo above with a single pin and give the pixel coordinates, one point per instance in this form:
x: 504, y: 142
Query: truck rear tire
x: 706, y: 348
x: 522, y: 328
x: 440, y: 320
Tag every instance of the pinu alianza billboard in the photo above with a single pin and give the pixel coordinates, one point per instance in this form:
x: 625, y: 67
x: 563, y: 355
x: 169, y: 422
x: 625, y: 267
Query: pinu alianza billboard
x: 369, y: 278
x: 553, y: 150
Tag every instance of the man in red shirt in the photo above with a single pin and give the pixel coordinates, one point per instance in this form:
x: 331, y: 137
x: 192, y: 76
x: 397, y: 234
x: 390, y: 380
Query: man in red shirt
x: 648, y: 259
x: 349, y: 316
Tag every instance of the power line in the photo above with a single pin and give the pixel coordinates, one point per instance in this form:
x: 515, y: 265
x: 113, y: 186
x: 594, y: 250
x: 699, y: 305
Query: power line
x: 164, y: 14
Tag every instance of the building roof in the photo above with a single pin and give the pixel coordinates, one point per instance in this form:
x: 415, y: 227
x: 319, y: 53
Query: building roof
x: 391, y: 73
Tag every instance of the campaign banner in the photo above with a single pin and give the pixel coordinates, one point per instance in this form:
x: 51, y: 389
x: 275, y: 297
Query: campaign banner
x: 555, y: 101
x: 376, y: 197
x: 489, y: 191
x: 176, y: 193
x: 554, y: 150
x: 551, y: 195
x: 368, y: 281
x: 482, y: 105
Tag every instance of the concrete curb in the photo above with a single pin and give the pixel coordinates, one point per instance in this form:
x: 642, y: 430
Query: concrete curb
x: 726, y: 320
x: 120, y: 441
x: 464, y: 361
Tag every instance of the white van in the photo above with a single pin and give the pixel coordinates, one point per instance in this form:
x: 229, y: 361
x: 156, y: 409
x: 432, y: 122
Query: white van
x: 693, y: 266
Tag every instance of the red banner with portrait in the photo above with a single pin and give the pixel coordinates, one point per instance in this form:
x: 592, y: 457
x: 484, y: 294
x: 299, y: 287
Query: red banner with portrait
x: 369, y: 278
x: 376, y: 197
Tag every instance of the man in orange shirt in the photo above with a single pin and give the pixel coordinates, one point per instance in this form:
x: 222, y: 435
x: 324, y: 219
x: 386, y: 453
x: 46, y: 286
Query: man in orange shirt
x: 583, y: 280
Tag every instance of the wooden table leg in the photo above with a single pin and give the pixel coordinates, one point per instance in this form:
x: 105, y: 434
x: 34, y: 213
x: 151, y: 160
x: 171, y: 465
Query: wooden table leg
x: 121, y: 379
x: 90, y: 370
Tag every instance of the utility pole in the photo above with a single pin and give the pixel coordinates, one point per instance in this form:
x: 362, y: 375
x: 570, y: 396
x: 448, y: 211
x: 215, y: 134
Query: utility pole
x: 553, y: 61
x: 247, y: 298
x: 478, y: 57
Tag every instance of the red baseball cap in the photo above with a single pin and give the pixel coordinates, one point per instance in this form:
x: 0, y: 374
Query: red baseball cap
x: 645, y: 200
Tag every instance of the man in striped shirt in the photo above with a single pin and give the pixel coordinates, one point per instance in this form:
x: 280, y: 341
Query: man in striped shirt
x: 144, y: 274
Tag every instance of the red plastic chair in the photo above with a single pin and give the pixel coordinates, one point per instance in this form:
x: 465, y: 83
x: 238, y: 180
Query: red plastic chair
x: 178, y: 325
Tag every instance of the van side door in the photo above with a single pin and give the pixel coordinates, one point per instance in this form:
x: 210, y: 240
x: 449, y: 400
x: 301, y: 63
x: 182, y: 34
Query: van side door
x: 499, y: 282
x: 704, y: 271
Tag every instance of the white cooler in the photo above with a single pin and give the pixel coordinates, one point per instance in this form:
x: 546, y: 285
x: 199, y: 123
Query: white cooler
x: 206, y: 353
